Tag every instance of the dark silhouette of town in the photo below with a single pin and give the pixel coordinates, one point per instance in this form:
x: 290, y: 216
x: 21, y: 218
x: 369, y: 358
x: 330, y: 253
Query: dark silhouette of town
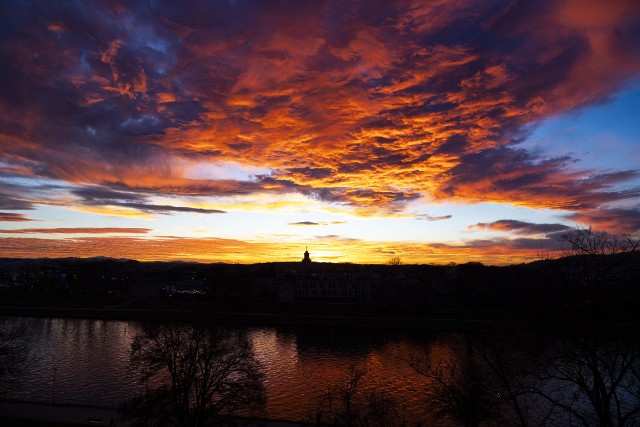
x: 546, y: 290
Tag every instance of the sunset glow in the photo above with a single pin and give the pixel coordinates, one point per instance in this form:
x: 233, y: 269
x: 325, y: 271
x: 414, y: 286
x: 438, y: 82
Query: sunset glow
x: 243, y: 131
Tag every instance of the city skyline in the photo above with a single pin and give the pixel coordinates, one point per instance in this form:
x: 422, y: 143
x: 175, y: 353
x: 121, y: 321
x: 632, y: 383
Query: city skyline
x: 241, y: 131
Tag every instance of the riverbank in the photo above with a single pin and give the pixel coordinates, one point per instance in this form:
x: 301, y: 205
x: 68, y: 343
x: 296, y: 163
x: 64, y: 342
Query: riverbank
x: 354, y: 321
x: 14, y: 412
x: 271, y: 319
x: 40, y: 414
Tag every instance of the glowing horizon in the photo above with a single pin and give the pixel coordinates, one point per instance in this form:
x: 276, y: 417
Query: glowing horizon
x: 243, y: 132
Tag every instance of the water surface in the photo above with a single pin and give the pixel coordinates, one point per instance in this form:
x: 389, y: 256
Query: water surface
x: 89, y: 360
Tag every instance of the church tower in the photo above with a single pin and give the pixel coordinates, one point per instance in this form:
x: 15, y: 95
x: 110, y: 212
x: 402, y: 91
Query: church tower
x: 306, y: 260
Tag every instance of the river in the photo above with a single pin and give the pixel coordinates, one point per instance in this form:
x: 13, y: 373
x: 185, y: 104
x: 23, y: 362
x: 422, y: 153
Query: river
x: 89, y: 361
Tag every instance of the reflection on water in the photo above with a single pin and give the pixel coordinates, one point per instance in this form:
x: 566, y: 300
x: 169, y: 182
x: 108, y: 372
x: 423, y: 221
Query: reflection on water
x: 301, y: 366
x: 90, y: 358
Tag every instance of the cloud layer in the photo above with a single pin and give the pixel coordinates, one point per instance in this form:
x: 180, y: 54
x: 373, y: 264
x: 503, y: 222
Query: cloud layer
x: 327, y: 94
x: 13, y: 217
x: 77, y: 230
x: 367, y: 105
x: 521, y: 227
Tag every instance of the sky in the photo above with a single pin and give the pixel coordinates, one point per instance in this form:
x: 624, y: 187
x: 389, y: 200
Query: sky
x: 246, y: 131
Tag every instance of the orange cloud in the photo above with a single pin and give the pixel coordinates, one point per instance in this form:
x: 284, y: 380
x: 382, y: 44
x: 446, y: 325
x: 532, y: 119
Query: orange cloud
x: 620, y: 220
x: 13, y: 217
x: 368, y: 107
x: 77, y: 230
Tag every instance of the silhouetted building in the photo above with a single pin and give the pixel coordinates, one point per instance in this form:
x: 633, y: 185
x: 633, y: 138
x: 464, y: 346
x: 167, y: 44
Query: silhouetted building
x: 335, y: 287
x: 306, y: 260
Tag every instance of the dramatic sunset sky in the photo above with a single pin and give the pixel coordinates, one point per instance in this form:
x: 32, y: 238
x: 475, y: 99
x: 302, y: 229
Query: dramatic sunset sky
x: 243, y: 131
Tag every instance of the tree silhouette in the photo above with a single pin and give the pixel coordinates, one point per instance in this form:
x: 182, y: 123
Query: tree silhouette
x: 14, y: 353
x: 198, y: 376
x: 592, y: 379
x: 459, y: 389
x: 594, y: 259
x: 394, y: 261
x: 350, y: 403
x: 593, y: 375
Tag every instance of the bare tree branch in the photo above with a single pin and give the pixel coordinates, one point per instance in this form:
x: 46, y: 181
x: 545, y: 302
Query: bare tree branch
x: 14, y: 353
x: 199, y: 376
